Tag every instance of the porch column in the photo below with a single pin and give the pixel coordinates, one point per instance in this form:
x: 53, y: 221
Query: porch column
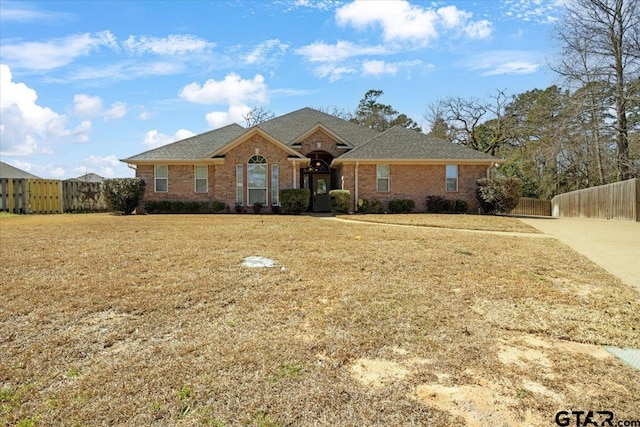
x: 295, y: 180
x: 355, y: 201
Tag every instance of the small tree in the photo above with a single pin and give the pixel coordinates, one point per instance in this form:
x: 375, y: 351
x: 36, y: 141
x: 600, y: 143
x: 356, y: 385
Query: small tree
x: 499, y: 194
x: 340, y: 201
x: 123, y: 194
x: 294, y: 201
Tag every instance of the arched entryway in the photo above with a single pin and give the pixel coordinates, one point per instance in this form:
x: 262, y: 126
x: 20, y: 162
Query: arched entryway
x: 317, y: 179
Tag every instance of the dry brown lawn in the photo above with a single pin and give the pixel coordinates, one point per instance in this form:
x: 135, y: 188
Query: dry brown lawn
x: 463, y: 222
x: 152, y: 320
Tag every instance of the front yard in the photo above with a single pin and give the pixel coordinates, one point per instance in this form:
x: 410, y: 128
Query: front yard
x: 152, y: 320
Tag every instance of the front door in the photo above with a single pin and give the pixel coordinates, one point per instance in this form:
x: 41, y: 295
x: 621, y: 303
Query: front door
x: 320, y: 185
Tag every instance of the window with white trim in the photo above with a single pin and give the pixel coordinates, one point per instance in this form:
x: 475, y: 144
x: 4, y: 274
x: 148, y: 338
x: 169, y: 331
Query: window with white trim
x: 161, y: 175
x: 239, y: 185
x: 201, y: 178
x: 257, y: 180
x: 382, y: 175
x: 275, y: 172
x: 452, y: 177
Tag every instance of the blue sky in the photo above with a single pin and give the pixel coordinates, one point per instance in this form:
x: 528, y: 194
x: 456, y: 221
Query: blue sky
x: 85, y: 83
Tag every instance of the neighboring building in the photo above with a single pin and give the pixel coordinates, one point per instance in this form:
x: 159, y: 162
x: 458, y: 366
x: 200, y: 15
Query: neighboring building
x: 8, y: 171
x: 87, y: 177
x: 310, y: 149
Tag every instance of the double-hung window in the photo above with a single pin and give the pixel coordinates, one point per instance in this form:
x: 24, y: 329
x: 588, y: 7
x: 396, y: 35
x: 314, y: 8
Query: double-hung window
x: 201, y: 179
x: 382, y: 174
x: 257, y: 180
x: 452, y: 177
x: 161, y: 174
x: 274, y: 185
x: 239, y: 185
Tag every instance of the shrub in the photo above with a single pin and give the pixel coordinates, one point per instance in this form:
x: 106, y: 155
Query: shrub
x: 218, y: 206
x: 435, y: 204
x: 150, y: 206
x: 294, y: 201
x: 123, y: 194
x: 195, y: 207
x: 499, y: 194
x: 376, y: 206
x: 364, y: 206
x: 401, y: 205
x: 461, y: 206
x: 177, y: 206
x: 340, y: 201
x: 257, y: 207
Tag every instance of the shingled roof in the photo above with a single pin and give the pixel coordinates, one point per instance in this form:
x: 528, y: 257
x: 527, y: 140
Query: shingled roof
x: 399, y: 143
x: 290, y: 126
x: 194, y: 148
x: 8, y: 171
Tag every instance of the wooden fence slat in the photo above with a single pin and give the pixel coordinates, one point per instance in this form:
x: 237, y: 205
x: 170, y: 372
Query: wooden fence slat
x: 619, y: 200
x: 530, y: 206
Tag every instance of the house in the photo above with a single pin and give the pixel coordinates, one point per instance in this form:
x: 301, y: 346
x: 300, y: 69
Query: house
x: 8, y: 171
x: 310, y: 149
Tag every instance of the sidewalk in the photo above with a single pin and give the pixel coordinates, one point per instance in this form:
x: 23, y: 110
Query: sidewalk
x: 613, y: 245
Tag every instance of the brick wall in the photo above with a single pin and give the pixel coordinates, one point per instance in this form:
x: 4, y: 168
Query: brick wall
x: 222, y: 177
x: 414, y: 182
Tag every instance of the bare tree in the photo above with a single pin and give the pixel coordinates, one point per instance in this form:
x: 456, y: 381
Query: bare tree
x: 256, y: 116
x: 599, y: 42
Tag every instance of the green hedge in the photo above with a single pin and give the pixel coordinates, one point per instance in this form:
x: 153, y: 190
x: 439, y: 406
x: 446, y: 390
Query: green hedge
x: 340, y: 201
x: 403, y: 206
x: 372, y: 206
x: 294, y: 201
x: 183, y: 207
x: 123, y: 194
x: 439, y: 204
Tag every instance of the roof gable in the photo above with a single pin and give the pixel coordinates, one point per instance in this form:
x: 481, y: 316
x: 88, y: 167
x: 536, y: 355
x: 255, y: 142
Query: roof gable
x: 256, y: 130
x: 399, y: 143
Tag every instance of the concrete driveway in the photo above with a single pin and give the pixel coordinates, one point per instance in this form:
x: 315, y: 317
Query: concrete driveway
x: 613, y: 245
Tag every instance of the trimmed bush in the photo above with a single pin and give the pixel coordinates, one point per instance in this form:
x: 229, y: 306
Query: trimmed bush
x: 340, y: 201
x: 435, y: 204
x: 179, y: 206
x: 123, y: 194
x: 372, y: 206
x: 257, y: 207
x: 403, y: 206
x: 499, y: 194
x: 294, y: 201
x: 461, y: 206
x: 218, y: 206
x: 364, y: 206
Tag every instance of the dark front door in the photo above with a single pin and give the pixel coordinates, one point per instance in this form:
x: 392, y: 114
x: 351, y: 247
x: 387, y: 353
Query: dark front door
x: 320, y: 185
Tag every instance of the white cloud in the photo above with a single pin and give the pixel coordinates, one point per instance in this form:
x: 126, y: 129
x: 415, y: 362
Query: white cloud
x: 378, y: 68
x: 171, y: 45
x: 322, y: 52
x: 401, y: 21
x: 26, y: 127
x: 57, y: 52
x: 233, y: 90
x: 542, y: 12
x: 261, y: 52
x: 499, y: 62
x: 334, y: 72
x: 117, y: 111
x: 87, y: 106
x: 317, y: 4
x: 26, y: 13
x: 155, y: 139
x: 234, y: 114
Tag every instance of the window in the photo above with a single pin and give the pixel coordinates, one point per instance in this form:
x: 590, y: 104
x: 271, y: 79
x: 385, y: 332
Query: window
x: 257, y: 180
x: 382, y: 173
x: 202, y: 180
x: 452, y: 177
x: 161, y: 178
x: 239, y: 184
x: 274, y: 185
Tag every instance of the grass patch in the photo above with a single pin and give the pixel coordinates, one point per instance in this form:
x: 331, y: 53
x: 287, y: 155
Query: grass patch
x: 460, y: 222
x: 164, y: 327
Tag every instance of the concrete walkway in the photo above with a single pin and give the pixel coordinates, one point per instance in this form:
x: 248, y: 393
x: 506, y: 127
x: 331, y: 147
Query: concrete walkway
x: 613, y: 245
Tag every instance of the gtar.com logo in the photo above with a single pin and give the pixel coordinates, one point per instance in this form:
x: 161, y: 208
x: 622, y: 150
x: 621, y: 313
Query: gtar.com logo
x: 584, y: 418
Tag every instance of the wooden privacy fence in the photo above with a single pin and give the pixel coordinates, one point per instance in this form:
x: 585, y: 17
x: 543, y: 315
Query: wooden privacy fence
x: 82, y: 196
x: 31, y: 195
x: 619, y: 200
x: 529, y: 206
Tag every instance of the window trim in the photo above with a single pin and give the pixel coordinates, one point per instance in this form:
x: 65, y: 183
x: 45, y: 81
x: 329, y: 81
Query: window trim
x: 275, y: 190
x: 157, y: 177
x: 387, y: 178
x: 196, y: 178
x: 447, y: 178
x: 239, y: 185
x: 259, y: 160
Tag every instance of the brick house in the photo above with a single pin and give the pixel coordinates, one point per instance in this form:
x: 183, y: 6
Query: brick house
x: 310, y: 149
